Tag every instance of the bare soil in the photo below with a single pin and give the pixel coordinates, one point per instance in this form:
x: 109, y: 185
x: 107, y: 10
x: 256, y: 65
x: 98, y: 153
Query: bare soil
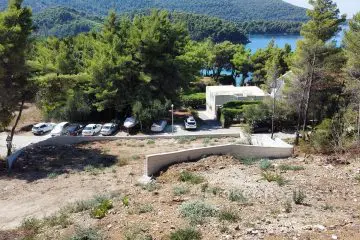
x: 48, y: 179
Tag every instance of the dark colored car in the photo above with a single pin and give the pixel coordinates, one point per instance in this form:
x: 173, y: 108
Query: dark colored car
x: 74, y: 129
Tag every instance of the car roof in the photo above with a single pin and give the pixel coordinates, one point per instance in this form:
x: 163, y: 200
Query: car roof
x: 108, y: 124
x: 39, y: 124
x: 91, y: 125
x: 62, y: 123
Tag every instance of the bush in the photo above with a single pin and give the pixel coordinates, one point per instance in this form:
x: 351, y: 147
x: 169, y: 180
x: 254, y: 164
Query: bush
x: 185, y: 234
x: 197, y: 211
x: 265, y: 164
x: 285, y: 167
x: 180, y: 190
x: 145, y: 208
x: 234, y: 110
x: 125, y: 201
x: 86, y: 234
x: 101, y: 210
x: 58, y: 220
x: 194, y: 100
x: 246, y: 161
x: 32, y: 225
x: 299, y: 197
x: 273, y: 177
x: 228, y: 215
x: 81, y: 206
x: 236, y: 195
x: 151, y: 186
x: 190, y: 177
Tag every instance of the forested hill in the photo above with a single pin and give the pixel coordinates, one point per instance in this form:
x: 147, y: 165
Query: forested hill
x: 234, y: 10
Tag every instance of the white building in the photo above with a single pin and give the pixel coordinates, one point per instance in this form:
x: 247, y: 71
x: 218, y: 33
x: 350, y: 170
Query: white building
x: 216, y: 96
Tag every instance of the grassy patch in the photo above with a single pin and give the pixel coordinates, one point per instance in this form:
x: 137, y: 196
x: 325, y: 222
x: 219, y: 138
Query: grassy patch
x: 185, y: 140
x: 146, y: 208
x: 185, y: 234
x: 190, y: 177
x: 86, y: 234
x: 150, y: 142
x: 299, y: 197
x: 137, y: 233
x: 265, y: 164
x: 31, y: 225
x: 206, y: 141
x: 52, y: 175
x: 180, y: 190
x: 357, y: 177
x: 236, y: 195
x: 81, y: 206
x: 247, y: 161
x: 197, y: 211
x: 58, y: 220
x: 121, y: 161
x: 150, y: 187
x: 215, y: 190
x: 135, y: 157
x: 273, y: 177
x: 228, y: 215
x: 101, y: 209
x: 286, y: 167
x: 93, y: 170
x: 288, y: 206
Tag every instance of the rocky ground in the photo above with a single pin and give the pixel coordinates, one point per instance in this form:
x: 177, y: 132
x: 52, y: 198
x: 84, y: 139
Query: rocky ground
x: 220, y: 197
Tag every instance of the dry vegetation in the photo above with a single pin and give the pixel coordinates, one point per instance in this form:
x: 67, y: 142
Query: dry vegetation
x: 90, y: 192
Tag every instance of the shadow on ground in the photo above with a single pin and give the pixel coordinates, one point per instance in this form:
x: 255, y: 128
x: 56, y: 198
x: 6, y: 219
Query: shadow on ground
x: 46, y: 161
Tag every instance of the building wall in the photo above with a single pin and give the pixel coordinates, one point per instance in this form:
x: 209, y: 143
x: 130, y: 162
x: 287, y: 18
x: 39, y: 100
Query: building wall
x: 157, y: 162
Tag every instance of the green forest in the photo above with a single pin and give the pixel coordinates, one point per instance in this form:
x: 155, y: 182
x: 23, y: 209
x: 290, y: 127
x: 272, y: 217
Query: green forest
x: 139, y: 65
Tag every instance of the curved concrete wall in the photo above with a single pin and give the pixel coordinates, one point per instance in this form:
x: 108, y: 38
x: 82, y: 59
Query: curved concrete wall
x: 157, y: 162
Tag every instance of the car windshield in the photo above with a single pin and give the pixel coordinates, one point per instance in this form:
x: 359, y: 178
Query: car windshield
x: 88, y: 128
x: 35, y: 127
x: 106, y: 127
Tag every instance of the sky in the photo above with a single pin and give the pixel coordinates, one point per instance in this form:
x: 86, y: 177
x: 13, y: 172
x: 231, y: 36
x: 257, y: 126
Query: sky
x: 350, y: 7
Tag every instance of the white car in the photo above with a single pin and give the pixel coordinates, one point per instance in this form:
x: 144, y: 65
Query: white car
x: 59, y: 129
x: 41, y: 128
x: 158, y: 126
x: 91, y: 130
x: 130, y: 122
x: 190, y: 123
x: 109, y: 129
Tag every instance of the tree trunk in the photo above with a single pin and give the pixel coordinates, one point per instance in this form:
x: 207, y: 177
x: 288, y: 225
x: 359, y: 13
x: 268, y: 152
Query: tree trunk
x: 358, y: 126
x: 308, y: 94
x: 9, y: 146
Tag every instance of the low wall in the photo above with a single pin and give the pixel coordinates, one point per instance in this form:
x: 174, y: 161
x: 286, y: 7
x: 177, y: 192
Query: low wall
x: 157, y: 162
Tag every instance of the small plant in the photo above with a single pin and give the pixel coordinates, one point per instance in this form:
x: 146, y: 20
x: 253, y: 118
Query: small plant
x: 126, y: 201
x: 58, y: 220
x: 215, y: 191
x: 185, y: 234
x: 328, y: 207
x: 81, y: 206
x: 285, y: 167
x: 288, y: 206
x: 145, y: 208
x: 204, y: 187
x: 86, y: 234
x: 228, y: 215
x: 121, y: 161
x: 102, y: 209
x: 273, y: 177
x: 32, y: 225
x: 180, y: 190
x: 246, y: 161
x: 236, y: 195
x: 135, y: 157
x: 265, y: 164
x: 206, y: 141
x: 52, y: 175
x: 190, y: 177
x: 197, y: 211
x: 299, y: 197
x: 91, y: 169
x: 151, y: 186
x: 150, y: 142
x: 357, y: 177
x: 136, y: 233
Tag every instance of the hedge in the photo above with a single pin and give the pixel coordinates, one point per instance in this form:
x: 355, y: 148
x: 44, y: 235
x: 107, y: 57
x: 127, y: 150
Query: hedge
x: 232, y: 110
x: 194, y: 100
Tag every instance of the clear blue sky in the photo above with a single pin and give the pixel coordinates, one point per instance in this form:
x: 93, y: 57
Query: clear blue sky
x: 350, y: 7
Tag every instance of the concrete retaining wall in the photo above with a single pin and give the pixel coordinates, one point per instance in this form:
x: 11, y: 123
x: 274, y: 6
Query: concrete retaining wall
x: 157, y: 162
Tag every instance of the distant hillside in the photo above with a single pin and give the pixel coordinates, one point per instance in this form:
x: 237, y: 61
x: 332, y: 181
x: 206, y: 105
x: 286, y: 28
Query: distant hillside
x: 62, y: 22
x: 234, y: 10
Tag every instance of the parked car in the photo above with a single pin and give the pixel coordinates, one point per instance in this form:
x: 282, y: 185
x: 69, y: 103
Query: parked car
x: 41, y: 128
x: 130, y: 122
x: 109, y: 129
x: 190, y: 123
x: 59, y: 129
x: 91, y: 130
x: 158, y: 126
x: 74, y: 129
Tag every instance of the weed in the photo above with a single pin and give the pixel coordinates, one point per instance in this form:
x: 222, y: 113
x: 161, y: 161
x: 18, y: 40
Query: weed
x: 91, y: 169
x: 136, y: 233
x: 328, y: 207
x: 265, y: 164
x: 215, y: 191
x: 206, y: 141
x: 125, y: 201
x: 197, y: 211
x: 122, y: 161
x: 246, y: 161
x: 135, y: 157
x: 185, y: 234
x: 288, y: 206
x: 228, y: 215
x: 32, y: 225
x: 357, y: 177
x: 299, y: 197
x: 180, y: 190
x: 113, y: 170
x: 86, y: 234
x: 58, y: 220
x: 204, y: 187
x: 145, y: 208
x: 185, y: 140
x: 52, y: 175
x: 285, y: 167
x: 190, y: 177
x: 81, y: 206
x: 273, y: 177
x: 150, y: 142
x: 151, y: 186
x: 236, y: 195
x: 224, y: 228
x: 101, y: 209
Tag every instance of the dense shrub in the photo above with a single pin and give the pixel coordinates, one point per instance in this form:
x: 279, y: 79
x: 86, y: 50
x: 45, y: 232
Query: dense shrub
x: 101, y: 210
x: 234, y: 110
x: 197, y: 211
x: 194, y: 100
x: 190, y: 177
x: 185, y: 234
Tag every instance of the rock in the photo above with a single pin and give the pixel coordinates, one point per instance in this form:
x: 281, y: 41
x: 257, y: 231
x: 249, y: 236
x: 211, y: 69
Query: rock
x: 222, y: 167
x: 109, y: 226
x: 308, y: 227
x: 320, y: 228
x: 172, y: 227
x: 237, y: 228
x: 334, y: 237
x: 249, y: 230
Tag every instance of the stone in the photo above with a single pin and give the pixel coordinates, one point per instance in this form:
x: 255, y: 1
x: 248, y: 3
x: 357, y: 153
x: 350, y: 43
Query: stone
x: 320, y: 228
x: 334, y: 237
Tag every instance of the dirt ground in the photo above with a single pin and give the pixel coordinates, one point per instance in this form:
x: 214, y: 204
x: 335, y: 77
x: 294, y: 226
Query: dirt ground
x: 48, y: 180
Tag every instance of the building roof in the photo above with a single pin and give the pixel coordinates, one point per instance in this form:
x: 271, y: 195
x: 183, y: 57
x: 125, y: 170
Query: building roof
x: 247, y: 91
